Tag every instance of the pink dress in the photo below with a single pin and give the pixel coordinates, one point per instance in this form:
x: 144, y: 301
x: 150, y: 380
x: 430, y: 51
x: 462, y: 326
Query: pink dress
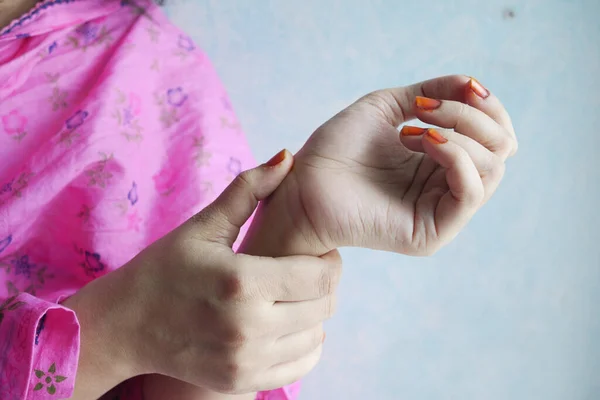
x: 114, y: 129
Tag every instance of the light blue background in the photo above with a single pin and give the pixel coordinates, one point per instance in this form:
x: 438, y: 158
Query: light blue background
x: 511, y: 309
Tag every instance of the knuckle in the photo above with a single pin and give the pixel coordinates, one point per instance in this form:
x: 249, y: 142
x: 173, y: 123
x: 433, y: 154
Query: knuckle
x: 234, y: 337
x: 462, y: 111
x: 243, y: 181
x: 231, y: 286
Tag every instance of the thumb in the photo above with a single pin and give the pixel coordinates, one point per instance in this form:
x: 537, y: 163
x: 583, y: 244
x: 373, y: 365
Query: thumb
x: 221, y: 221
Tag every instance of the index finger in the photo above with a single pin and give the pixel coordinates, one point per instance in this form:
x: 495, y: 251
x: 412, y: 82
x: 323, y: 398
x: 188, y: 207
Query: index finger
x: 295, y: 278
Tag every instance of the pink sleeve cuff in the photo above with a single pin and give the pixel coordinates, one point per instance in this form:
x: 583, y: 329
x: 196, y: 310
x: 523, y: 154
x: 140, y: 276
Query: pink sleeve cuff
x: 39, y: 349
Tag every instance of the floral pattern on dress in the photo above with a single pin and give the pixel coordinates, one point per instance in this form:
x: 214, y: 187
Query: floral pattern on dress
x: 169, y: 103
x: 48, y: 379
x: 90, y: 34
x: 127, y: 112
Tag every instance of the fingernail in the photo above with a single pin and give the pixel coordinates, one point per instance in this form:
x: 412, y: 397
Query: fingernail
x: 427, y: 104
x: 477, y: 88
x: 324, y: 335
x: 408, y: 130
x: 434, y: 137
x: 277, y: 158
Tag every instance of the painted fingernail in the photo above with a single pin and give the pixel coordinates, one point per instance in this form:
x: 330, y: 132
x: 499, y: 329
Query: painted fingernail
x: 277, y: 158
x: 427, y: 104
x: 408, y: 130
x: 434, y: 137
x: 324, y: 335
x: 477, y: 88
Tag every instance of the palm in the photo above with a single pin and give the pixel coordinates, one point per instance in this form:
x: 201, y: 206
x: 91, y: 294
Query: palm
x: 359, y: 186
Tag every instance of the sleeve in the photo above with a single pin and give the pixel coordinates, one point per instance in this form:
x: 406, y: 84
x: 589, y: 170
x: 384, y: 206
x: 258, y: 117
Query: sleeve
x: 39, y: 349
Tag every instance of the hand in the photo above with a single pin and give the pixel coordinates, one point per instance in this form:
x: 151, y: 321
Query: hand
x: 232, y: 323
x: 356, y: 183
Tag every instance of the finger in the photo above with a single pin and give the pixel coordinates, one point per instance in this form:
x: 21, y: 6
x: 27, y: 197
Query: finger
x: 466, y: 191
x: 296, y: 345
x: 290, y: 372
x: 395, y: 105
x: 301, y: 315
x: 294, y: 278
x: 478, y: 96
x: 489, y: 166
x: 465, y: 120
x: 223, y: 218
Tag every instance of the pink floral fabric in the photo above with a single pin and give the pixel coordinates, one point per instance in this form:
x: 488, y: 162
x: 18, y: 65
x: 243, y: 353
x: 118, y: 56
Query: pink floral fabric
x: 114, y: 129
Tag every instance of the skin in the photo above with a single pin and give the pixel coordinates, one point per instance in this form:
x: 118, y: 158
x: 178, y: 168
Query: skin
x: 409, y: 194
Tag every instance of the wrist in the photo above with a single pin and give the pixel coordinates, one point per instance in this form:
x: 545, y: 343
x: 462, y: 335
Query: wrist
x: 107, y: 352
x: 282, y: 227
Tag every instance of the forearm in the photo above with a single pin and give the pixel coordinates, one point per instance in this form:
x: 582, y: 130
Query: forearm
x: 105, y: 316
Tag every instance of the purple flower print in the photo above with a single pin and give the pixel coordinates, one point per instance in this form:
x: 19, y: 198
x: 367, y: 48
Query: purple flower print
x: 186, y: 43
x: 132, y: 110
x: 133, y: 195
x: 5, y: 242
x: 127, y: 116
x: 7, y: 187
x: 22, y: 266
x: 77, y: 120
x: 52, y: 47
x: 92, y: 264
x: 88, y: 31
x: 176, y: 97
x: 14, y: 123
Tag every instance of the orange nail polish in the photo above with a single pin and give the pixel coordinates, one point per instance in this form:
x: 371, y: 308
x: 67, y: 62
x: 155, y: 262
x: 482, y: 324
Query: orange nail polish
x: 478, y: 88
x: 408, y: 130
x: 427, y: 104
x: 277, y: 158
x: 434, y: 137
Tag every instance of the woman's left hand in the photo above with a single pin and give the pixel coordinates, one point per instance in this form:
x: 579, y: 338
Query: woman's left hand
x: 357, y: 182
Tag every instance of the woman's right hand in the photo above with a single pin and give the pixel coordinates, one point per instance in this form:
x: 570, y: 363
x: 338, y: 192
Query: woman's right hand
x: 190, y: 308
